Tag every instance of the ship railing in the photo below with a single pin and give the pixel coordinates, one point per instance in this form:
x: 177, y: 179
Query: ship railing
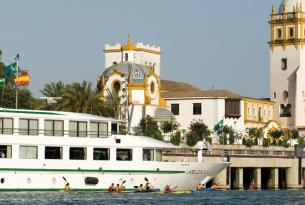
x: 55, y: 133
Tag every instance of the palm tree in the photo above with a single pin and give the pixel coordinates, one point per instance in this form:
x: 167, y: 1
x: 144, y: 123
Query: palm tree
x: 54, y: 90
x: 113, y: 104
x: 79, y: 97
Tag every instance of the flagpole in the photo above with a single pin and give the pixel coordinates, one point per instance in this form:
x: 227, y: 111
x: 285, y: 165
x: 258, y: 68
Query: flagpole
x: 17, y: 70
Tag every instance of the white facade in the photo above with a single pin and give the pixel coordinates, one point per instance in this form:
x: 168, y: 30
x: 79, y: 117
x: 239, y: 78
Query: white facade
x: 212, y: 111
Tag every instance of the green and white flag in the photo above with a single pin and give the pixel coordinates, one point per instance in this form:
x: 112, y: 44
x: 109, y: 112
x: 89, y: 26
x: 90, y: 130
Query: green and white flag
x: 2, y: 82
x: 10, y: 69
x: 218, y: 126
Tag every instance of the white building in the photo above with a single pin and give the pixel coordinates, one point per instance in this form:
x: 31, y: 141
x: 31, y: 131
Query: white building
x: 287, y: 63
x: 189, y: 103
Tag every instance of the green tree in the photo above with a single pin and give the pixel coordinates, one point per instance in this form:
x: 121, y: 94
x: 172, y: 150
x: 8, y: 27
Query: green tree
x: 197, y: 132
x: 276, y: 134
x: 150, y: 128
x: 176, y: 138
x: 301, y: 140
x: 169, y: 126
x: 79, y: 97
x: 113, y: 104
x: 294, y: 134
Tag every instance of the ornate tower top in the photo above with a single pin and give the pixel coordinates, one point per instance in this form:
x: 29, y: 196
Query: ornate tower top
x: 287, y: 26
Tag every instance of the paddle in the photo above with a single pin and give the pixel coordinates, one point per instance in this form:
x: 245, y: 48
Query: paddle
x: 123, y: 182
x: 65, y: 179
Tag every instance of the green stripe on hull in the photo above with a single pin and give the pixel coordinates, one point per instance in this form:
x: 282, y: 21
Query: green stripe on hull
x: 30, y: 112
x: 157, y: 171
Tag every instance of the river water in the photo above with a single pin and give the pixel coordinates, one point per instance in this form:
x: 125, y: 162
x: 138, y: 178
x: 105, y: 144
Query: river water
x: 220, y: 197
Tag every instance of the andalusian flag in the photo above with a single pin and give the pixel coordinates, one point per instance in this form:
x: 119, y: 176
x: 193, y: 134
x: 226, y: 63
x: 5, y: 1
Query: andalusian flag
x: 2, y: 82
x: 24, y: 79
x: 10, y: 69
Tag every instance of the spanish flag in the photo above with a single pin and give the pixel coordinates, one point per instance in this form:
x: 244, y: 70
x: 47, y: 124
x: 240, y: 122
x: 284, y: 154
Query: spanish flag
x: 24, y: 79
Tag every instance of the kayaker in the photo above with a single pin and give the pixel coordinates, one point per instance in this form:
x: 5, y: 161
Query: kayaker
x: 111, y: 188
x: 168, y: 189
x: 147, y: 187
x: 141, y: 188
x: 119, y: 188
x: 67, y: 187
x: 199, y: 187
x: 214, y: 187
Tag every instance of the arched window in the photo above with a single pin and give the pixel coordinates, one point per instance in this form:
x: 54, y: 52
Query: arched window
x: 285, y: 95
x: 291, y: 32
x: 279, y: 33
x: 116, y: 86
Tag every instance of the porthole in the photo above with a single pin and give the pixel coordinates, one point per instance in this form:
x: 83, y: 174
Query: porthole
x: 91, y: 181
x: 28, y: 180
x: 2, y: 180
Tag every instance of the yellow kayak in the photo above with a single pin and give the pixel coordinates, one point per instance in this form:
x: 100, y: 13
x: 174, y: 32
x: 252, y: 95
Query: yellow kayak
x: 177, y: 192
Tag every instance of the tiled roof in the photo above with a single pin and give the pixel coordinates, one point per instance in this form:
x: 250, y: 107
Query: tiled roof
x: 173, y: 89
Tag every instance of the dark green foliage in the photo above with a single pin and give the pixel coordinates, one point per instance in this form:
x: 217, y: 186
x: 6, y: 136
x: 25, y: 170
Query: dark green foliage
x: 76, y: 97
x: 276, y: 134
x: 294, y: 134
x: 198, y: 132
x: 150, y: 128
x: 226, y: 132
x: 301, y: 140
x: 176, y: 138
x: 169, y: 126
x: 25, y: 98
x: 249, y: 142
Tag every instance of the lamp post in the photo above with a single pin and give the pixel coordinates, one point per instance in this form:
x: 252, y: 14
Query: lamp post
x: 125, y: 90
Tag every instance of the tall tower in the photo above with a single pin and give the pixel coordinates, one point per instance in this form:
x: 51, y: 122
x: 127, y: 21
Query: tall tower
x: 287, y: 63
x: 144, y: 54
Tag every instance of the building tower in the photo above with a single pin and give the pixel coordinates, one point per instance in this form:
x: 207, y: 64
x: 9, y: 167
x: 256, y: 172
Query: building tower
x: 144, y: 54
x: 287, y: 63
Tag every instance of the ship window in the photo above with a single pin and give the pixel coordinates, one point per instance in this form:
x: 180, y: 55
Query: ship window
x: 101, y: 154
x: 5, y: 151
x: 6, y: 126
x: 53, y: 153
x: 28, y: 152
x: 175, y: 109
x: 77, y: 129
x: 196, y: 108
x: 78, y: 153
x: 98, y: 129
x: 148, y: 155
x: 124, y: 154
x: 158, y: 155
x: 126, y: 56
x: 28, y: 127
x: 54, y: 127
x: 114, y: 128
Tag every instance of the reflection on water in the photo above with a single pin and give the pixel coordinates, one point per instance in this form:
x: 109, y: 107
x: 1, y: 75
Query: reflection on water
x: 221, y: 197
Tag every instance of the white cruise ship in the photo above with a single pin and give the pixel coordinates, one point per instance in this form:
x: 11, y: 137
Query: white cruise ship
x: 43, y: 150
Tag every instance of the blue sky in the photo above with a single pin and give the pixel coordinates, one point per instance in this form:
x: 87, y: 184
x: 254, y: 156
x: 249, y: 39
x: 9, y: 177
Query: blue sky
x: 207, y: 43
